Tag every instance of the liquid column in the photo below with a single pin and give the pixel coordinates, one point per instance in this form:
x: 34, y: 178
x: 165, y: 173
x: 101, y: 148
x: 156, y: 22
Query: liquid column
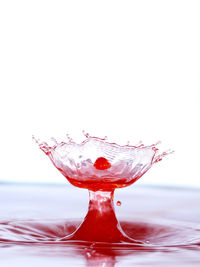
x: 100, y: 223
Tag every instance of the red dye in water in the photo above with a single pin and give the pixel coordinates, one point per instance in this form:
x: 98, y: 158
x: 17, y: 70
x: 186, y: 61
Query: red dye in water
x: 125, y: 166
x: 166, y: 220
x: 102, y: 164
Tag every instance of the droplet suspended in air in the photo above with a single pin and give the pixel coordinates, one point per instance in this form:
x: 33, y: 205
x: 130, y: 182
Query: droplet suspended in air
x: 119, y: 203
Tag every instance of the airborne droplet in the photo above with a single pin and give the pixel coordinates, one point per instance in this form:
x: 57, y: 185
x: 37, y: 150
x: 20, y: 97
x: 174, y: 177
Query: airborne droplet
x: 119, y: 203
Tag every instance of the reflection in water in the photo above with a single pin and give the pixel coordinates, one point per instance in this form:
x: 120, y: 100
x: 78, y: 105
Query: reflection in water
x: 100, y: 258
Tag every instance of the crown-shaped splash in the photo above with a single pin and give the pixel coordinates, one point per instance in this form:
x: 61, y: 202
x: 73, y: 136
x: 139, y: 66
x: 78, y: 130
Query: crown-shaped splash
x: 101, y: 167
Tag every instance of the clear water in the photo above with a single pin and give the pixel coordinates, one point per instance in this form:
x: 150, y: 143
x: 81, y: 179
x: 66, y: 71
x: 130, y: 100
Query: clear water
x: 77, y: 161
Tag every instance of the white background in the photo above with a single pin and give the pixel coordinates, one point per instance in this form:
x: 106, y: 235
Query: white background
x: 126, y: 69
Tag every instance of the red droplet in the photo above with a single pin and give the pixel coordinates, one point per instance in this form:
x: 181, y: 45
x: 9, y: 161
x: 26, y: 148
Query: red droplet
x: 102, y: 164
x: 159, y: 159
x: 119, y: 203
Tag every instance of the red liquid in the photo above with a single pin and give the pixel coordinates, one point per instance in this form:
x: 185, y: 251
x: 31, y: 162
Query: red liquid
x: 35, y: 220
x: 100, y: 223
x: 102, y: 164
x: 119, y: 203
x: 84, y: 168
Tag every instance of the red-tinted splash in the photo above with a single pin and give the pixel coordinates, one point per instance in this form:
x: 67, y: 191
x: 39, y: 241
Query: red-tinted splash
x: 101, y: 167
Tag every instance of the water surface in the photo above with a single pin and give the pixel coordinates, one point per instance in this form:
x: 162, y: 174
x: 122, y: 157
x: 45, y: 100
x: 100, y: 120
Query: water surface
x: 167, y: 220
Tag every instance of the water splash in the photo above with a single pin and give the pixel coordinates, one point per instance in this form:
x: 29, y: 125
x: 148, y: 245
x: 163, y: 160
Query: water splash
x: 125, y: 164
x: 101, y: 167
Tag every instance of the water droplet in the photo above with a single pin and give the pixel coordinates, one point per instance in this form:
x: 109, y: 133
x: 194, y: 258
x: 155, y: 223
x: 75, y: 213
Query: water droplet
x: 35, y: 139
x: 119, y: 203
x: 86, y: 134
x: 69, y: 138
x: 102, y: 164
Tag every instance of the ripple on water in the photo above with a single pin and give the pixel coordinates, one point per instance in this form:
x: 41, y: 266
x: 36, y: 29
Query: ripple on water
x: 167, y: 221
x: 156, y: 236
